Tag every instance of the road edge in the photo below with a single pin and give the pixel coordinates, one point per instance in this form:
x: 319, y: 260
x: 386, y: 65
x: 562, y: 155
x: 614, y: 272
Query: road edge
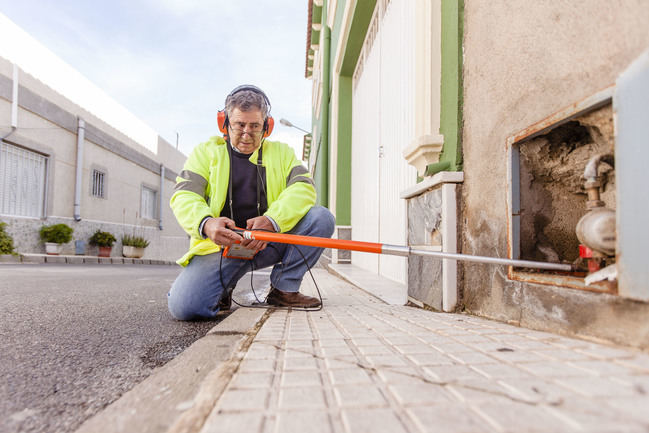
x: 179, y: 396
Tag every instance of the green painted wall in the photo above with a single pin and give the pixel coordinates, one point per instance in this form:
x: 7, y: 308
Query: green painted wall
x: 451, y: 91
x: 451, y: 98
x: 321, y: 176
x: 361, y: 17
x: 360, y: 22
x: 344, y: 163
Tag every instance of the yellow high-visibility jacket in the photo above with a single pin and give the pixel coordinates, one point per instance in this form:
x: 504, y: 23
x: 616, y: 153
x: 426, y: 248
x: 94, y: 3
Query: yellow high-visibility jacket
x: 202, y: 186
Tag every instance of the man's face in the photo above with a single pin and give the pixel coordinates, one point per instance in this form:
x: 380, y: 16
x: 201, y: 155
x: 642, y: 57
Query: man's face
x: 246, y: 129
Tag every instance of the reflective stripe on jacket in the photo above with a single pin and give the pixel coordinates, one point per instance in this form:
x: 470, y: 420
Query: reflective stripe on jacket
x: 201, y: 189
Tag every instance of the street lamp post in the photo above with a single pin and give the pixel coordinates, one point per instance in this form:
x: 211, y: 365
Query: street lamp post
x: 306, y: 147
x: 290, y: 125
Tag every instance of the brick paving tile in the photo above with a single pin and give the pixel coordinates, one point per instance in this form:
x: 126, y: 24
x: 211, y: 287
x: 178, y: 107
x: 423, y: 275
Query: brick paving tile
x: 480, y: 391
x: 403, y: 340
x: 249, y: 365
x: 354, y: 395
x: 554, y: 369
x: 362, y: 366
x: 560, y: 354
x: 375, y: 420
x: 244, y: 400
x: 601, y: 368
x: 604, y: 352
x: 420, y: 394
x: 376, y: 350
x: 432, y: 358
x: 333, y: 342
x: 517, y: 356
x: 448, y: 418
x: 539, y: 390
x: 407, y: 349
x: 304, y: 397
x: 349, y: 376
x: 301, y: 378
x: 252, y: 380
x: 342, y: 362
x: 403, y: 375
x: 525, y: 418
x: 452, y: 373
x: 337, y: 351
x: 502, y: 371
x: 639, y: 362
x: 233, y: 423
x: 303, y: 421
x: 632, y: 408
x: 473, y: 358
x: 602, y: 387
x: 386, y: 360
x: 489, y: 343
x: 597, y: 416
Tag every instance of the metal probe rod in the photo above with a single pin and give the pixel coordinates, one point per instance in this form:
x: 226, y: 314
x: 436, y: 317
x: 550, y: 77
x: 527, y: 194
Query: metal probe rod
x: 405, y: 251
x: 395, y: 250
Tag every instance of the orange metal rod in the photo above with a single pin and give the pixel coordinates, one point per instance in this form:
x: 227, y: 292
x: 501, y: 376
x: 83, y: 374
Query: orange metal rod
x: 398, y: 250
x: 312, y: 241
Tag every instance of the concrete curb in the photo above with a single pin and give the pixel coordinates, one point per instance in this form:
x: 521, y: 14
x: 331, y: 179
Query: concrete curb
x: 77, y: 260
x: 179, y: 396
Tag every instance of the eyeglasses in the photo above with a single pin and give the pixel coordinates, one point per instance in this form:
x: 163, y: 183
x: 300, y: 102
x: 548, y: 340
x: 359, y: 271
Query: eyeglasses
x: 246, y: 128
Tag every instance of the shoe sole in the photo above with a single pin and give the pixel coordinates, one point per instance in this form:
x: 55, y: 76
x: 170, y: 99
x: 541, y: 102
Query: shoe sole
x: 279, y: 304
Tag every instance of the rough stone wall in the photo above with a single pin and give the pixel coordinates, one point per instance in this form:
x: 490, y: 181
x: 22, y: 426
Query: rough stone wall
x: 524, y: 61
x: 24, y: 232
x: 424, y: 224
x: 553, y: 198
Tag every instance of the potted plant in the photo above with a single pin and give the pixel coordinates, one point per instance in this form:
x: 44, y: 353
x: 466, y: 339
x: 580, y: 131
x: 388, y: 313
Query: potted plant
x: 54, y: 236
x: 6, y: 243
x: 104, y: 241
x: 133, y: 246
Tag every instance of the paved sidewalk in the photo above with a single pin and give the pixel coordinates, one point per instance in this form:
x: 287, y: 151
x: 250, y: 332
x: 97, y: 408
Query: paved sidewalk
x: 360, y: 365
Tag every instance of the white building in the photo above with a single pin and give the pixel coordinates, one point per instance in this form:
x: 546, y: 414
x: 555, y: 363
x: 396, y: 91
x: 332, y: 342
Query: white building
x: 71, y: 154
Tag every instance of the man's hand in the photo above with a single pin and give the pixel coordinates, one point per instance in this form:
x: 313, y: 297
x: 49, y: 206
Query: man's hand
x: 257, y: 223
x: 218, y: 230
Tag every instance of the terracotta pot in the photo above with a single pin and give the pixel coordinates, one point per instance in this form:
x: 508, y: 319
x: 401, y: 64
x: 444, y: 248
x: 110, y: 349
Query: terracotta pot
x: 132, y: 252
x: 104, y: 251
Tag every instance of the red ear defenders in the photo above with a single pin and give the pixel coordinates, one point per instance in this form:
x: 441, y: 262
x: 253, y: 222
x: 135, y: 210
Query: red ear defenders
x: 222, y: 117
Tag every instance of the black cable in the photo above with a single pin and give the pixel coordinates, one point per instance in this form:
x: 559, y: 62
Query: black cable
x: 282, y: 271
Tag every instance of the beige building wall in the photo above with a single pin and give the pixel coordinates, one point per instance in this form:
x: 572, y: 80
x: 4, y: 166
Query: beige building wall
x: 47, y: 124
x: 523, y: 62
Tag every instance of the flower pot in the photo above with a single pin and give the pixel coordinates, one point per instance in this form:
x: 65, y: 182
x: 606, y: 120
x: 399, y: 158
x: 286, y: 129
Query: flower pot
x: 132, y: 252
x: 104, y: 251
x: 53, y: 249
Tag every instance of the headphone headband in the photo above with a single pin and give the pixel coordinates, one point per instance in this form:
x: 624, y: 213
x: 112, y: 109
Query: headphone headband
x: 222, y: 117
x: 251, y: 88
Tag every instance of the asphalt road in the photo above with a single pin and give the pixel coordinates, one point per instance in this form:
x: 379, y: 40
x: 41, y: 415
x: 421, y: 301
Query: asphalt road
x: 73, y: 338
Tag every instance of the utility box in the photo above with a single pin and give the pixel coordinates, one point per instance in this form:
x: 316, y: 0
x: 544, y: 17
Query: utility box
x: 632, y: 157
x: 80, y: 247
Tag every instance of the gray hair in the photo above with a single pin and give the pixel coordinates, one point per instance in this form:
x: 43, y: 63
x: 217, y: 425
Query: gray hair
x: 246, y: 100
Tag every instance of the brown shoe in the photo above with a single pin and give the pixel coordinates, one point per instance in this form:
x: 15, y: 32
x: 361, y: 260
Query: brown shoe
x: 225, y: 303
x: 291, y: 299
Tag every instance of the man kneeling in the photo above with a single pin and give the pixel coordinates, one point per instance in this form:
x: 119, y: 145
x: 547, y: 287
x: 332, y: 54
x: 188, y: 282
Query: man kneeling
x: 242, y: 180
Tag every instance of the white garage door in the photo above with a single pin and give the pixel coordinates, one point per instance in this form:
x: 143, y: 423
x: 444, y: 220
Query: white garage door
x: 382, y: 125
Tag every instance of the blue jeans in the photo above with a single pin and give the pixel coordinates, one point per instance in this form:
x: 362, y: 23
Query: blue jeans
x: 197, y: 290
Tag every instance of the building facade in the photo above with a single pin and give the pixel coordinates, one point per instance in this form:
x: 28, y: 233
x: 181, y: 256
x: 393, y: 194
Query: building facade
x: 59, y: 163
x: 467, y: 126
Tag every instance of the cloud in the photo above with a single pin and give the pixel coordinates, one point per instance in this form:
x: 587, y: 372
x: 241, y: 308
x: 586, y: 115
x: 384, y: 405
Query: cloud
x: 172, y: 62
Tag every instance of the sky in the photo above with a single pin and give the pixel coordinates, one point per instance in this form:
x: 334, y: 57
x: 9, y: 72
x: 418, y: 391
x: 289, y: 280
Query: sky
x: 171, y: 63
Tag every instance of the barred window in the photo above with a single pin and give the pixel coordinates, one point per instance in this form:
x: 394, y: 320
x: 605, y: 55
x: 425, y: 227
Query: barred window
x: 22, y: 181
x: 149, y: 203
x: 98, y: 186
